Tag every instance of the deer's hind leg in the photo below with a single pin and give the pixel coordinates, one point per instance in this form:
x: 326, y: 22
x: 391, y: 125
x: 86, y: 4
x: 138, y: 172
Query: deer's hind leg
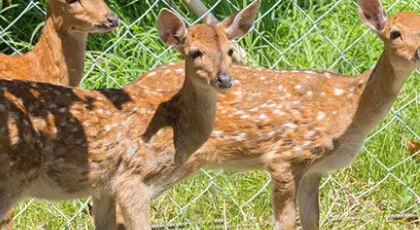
x: 104, y: 211
x: 308, y: 193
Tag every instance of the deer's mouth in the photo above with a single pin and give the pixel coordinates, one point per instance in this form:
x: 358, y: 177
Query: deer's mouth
x: 104, y: 27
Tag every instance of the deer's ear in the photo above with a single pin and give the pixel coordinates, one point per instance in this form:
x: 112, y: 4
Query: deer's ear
x: 372, y: 14
x: 171, y: 28
x: 239, y: 23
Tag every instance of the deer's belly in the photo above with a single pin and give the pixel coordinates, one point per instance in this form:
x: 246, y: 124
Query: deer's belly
x: 59, y: 188
x: 340, y: 158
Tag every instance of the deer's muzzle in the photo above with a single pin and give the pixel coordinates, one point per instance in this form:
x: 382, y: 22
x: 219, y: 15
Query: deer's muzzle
x: 224, y: 80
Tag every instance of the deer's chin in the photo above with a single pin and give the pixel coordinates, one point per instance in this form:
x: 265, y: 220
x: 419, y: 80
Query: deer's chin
x: 216, y: 87
x: 103, y: 29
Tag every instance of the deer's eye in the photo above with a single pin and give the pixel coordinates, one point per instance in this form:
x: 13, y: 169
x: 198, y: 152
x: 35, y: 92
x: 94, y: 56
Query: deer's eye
x: 195, y: 54
x: 71, y: 1
x: 230, y: 52
x: 395, y: 34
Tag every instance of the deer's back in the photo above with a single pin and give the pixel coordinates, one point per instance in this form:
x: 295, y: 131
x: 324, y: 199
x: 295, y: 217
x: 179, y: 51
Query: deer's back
x: 292, y: 115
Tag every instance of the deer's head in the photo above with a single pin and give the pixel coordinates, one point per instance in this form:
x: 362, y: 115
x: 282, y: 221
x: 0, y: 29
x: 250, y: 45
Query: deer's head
x: 207, y: 48
x: 82, y: 16
x: 400, y: 33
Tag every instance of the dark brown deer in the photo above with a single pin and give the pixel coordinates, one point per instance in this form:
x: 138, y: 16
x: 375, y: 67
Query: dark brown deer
x: 299, y: 125
x: 67, y: 143
x: 59, y: 56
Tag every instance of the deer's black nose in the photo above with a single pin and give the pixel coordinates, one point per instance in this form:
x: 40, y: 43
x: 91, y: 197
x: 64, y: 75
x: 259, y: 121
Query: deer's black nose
x: 113, y: 19
x: 224, y: 80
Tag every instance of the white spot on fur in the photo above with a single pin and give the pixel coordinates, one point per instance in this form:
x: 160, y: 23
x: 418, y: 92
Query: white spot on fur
x: 263, y: 117
x: 151, y: 74
x: 253, y: 109
x: 309, y: 93
x: 167, y: 72
x: 298, y: 87
x: 307, y: 143
x: 290, y: 125
x: 297, y: 148
x: 320, y: 116
x: 310, y: 134
x: 15, y: 140
x: 94, y: 165
x: 238, y: 112
x: 245, y: 116
x: 132, y: 150
x: 240, y: 137
x: 271, y: 133
x: 217, y: 133
x: 180, y: 70
x: 338, y: 92
x: 279, y: 112
x: 107, y: 128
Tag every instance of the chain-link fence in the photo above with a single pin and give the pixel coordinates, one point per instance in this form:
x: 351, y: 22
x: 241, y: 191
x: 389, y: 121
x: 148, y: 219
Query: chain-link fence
x: 378, y: 191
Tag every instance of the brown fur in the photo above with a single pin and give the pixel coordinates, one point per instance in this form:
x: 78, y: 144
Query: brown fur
x: 299, y: 125
x: 66, y: 143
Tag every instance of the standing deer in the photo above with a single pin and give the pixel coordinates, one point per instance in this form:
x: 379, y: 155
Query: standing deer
x: 67, y: 143
x: 299, y: 125
x: 59, y: 56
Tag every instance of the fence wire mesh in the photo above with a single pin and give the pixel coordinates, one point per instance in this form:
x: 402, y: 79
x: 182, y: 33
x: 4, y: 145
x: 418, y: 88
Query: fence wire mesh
x: 379, y: 189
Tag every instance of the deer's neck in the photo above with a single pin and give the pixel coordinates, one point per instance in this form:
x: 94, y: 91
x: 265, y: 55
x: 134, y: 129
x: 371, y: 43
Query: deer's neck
x: 191, y: 113
x: 382, y: 85
x: 60, y: 55
x: 197, y: 113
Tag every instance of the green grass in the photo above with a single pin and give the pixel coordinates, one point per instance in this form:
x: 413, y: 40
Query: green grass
x: 357, y: 205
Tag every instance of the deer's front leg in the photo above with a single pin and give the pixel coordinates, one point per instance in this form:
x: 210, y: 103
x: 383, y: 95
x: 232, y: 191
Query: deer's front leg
x: 284, y: 197
x: 104, y: 212
x: 133, y: 197
x: 308, y: 201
